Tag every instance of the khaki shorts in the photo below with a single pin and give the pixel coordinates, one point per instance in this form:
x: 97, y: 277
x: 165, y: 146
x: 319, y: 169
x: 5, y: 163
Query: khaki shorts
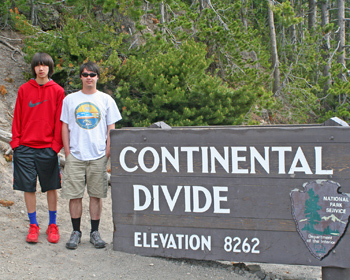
x: 78, y: 173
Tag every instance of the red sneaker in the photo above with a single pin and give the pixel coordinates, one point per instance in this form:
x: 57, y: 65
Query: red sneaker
x: 33, y: 233
x: 53, y: 234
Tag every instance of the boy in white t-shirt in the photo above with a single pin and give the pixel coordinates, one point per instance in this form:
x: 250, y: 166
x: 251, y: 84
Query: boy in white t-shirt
x: 87, y: 117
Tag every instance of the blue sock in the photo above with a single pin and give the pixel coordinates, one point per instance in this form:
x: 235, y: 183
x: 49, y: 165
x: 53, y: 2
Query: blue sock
x: 53, y: 215
x: 32, y: 218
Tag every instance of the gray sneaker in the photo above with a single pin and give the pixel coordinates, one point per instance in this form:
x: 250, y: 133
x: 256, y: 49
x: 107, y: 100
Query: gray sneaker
x: 74, y: 240
x: 95, y: 239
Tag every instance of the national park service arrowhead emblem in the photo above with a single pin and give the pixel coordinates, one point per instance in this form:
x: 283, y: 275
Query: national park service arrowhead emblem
x: 321, y: 215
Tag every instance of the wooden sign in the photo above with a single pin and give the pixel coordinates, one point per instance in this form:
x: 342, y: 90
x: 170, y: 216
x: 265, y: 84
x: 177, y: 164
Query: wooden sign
x: 232, y: 193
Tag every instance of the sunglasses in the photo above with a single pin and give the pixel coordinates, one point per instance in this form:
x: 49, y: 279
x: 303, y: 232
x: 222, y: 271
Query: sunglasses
x: 88, y: 74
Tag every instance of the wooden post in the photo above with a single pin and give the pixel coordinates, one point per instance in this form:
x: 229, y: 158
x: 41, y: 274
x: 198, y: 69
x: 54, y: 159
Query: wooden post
x: 333, y: 273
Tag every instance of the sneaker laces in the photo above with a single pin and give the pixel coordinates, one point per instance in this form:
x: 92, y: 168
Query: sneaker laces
x: 53, y: 229
x: 33, y: 229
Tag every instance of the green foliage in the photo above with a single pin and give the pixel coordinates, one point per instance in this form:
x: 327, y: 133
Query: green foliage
x: 201, y: 66
x: 4, y: 11
x: 77, y: 42
x: 174, y: 87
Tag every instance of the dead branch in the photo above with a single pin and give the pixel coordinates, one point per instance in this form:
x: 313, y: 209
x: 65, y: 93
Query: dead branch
x: 12, y: 48
x: 10, y: 39
x: 5, y: 136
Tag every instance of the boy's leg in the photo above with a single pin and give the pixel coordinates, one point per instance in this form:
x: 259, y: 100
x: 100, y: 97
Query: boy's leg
x: 73, y: 180
x: 52, y: 200
x: 53, y: 235
x: 76, y: 211
x: 97, y: 185
x: 95, y: 208
x: 76, y: 207
x: 95, y: 214
x: 33, y: 233
x: 46, y: 162
x: 52, y: 205
x: 30, y: 200
x: 24, y: 175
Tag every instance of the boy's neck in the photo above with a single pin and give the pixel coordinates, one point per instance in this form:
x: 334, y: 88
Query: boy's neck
x: 42, y: 81
x: 89, y: 90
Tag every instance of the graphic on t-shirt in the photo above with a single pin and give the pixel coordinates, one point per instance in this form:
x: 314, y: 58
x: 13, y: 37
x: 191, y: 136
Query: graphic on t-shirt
x: 87, y: 115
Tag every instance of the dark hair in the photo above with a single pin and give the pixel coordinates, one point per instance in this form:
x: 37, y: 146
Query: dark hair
x: 90, y: 66
x: 42, y: 59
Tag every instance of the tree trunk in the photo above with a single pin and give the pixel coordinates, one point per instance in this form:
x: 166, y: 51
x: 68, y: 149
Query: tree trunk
x: 326, y: 44
x: 32, y: 12
x: 244, y: 14
x: 274, y: 52
x: 312, y: 15
x: 161, y: 11
x: 341, y: 34
x: 293, y: 32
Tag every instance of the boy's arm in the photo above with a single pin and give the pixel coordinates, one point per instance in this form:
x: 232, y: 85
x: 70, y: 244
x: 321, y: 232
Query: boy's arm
x: 108, y: 144
x: 16, y: 123
x: 65, y: 139
x: 57, y: 137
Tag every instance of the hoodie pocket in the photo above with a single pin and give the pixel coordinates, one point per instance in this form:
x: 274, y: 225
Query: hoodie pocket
x: 38, y: 131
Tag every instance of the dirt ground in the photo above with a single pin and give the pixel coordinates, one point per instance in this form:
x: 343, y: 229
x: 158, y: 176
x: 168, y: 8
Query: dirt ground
x: 20, y: 260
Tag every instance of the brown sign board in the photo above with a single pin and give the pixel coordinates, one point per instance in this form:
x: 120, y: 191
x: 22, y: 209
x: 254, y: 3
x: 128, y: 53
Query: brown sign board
x: 247, y: 194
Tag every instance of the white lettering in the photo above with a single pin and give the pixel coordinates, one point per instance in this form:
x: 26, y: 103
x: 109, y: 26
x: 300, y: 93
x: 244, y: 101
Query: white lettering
x: 189, y: 151
x: 218, y: 199
x: 208, y: 199
x: 171, y: 201
x: 174, y: 160
x: 300, y: 157
x: 236, y: 159
x: 172, y: 241
x: 281, y: 158
x: 197, y: 159
x: 122, y: 159
x: 141, y: 159
x: 148, y: 200
x: 318, y: 163
x: 205, y: 162
x: 215, y: 155
x: 264, y: 162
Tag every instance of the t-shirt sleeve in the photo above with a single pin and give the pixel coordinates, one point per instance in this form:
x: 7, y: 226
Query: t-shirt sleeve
x: 113, y: 114
x: 64, y: 113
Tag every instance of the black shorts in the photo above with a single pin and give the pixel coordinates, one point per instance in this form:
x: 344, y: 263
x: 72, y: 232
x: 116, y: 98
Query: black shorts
x: 30, y: 163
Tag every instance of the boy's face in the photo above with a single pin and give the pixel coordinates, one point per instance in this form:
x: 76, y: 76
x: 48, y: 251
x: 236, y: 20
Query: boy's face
x: 88, y: 81
x: 41, y: 71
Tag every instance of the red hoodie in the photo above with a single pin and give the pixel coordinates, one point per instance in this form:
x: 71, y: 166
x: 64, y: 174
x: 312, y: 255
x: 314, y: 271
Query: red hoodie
x: 36, y: 121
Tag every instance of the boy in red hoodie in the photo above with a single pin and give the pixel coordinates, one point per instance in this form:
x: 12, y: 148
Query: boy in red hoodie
x: 36, y: 140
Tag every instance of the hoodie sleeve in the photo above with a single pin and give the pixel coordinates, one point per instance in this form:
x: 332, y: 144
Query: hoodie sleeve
x: 57, y: 139
x: 16, y: 122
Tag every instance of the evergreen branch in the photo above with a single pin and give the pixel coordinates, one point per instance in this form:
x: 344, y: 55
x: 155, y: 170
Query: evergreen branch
x: 217, y: 14
x: 310, y: 85
x: 233, y: 65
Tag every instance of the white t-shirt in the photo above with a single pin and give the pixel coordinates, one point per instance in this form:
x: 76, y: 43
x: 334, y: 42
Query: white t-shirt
x: 88, y: 116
